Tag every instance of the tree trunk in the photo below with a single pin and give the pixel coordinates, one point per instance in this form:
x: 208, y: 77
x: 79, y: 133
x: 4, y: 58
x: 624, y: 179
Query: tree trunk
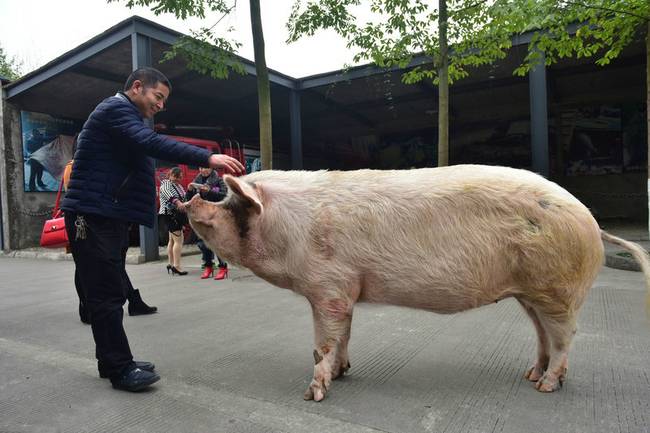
x: 443, y: 89
x: 263, y: 87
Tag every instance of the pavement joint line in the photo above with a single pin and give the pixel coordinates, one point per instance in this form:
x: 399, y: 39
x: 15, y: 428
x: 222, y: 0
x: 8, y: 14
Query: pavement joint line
x: 278, y: 416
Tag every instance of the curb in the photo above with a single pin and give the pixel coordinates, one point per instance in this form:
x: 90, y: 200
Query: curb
x: 59, y: 254
x: 617, y: 261
x: 612, y: 259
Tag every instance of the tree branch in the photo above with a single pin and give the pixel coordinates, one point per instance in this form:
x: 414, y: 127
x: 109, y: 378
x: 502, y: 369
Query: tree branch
x: 602, y: 8
x: 468, y: 7
x: 224, y: 15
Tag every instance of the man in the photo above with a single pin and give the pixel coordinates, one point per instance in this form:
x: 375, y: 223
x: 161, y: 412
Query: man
x: 112, y: 185
x: 137, y: 306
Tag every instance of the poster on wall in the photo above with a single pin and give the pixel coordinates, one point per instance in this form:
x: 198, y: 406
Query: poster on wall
x: 48, y: 144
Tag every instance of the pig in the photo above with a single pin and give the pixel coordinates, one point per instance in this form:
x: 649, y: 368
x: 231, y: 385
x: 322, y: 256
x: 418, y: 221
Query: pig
x: 442, y: 239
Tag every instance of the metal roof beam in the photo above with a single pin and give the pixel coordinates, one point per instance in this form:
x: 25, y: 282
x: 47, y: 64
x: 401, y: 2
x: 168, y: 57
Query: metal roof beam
x: 170, y: 37
x: 355, y: 73
x: 66, y: 62
x: 370, y: 70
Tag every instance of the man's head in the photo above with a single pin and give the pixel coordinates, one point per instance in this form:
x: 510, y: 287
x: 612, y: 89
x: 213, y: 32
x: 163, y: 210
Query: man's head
x: 205, y: 171
x: 148, y: 89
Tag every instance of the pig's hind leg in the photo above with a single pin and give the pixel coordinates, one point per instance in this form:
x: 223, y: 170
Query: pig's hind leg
x: 560, y: 331
x: 536, y: 371
x: 555, y: 325
x: 332, y: 321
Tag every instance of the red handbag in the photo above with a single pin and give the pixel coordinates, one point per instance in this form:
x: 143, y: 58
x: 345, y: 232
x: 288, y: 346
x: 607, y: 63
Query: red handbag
x: 54, y: 234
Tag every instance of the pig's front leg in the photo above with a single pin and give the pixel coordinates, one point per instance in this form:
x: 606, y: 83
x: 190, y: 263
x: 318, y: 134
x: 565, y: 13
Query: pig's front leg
x: 332, y: 321
x: 342, y: 358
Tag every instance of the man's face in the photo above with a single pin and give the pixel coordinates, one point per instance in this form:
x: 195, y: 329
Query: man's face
x: 149, y: 100
x: 205, y: 172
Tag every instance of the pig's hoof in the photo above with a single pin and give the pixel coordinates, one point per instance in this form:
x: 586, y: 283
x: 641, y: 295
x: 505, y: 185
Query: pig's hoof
x: 340, y: 371
x: 547, y: 384
x: 316, y: 391
x: 534, y: 373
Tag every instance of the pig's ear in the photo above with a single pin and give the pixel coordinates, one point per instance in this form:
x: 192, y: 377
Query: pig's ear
x: 245, y: 191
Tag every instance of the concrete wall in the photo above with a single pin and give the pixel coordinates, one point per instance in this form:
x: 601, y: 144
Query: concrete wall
x: 23, y: 213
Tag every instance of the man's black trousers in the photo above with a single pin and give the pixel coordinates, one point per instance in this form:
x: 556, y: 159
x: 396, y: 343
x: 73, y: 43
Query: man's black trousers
x: 100, y: 262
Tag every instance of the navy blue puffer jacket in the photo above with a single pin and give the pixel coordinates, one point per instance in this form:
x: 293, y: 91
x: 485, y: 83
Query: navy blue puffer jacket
x: 113, y: 172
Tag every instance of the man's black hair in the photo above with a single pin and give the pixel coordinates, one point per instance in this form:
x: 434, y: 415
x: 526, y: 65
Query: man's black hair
x: 149, y: 77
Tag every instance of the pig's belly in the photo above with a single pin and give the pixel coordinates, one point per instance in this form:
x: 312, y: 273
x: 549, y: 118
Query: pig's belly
x: 439, y: 297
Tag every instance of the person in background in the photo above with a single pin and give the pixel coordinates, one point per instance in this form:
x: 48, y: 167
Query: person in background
x: 112, y: 185
x: 171, y: 199
x: 210, y: 187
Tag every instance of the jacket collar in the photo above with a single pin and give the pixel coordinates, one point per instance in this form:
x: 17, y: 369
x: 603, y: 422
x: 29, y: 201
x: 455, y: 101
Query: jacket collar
x: 124, y: 96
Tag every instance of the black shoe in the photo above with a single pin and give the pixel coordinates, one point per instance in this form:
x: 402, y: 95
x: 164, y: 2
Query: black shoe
x: 137, y: 306
x: 142, y: 365
x: 83, y: 314
x: 177, y: 272
x: 134, y: 379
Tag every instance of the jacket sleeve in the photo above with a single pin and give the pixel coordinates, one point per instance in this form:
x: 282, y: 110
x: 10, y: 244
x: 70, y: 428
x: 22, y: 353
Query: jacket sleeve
x: 223, y: 190
x: 218, y: 189
x: 131, y: 132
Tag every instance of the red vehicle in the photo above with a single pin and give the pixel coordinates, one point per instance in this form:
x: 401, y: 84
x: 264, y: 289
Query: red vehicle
x: 227, y: 146
x: 230, y: 147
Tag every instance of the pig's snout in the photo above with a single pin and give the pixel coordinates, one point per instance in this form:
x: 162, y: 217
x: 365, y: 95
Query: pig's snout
x: 192, y: 205
x: 199, y: 210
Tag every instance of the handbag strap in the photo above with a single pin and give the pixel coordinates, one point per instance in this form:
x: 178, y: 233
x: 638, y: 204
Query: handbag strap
x: 178, y: 193
x: 58, y: 199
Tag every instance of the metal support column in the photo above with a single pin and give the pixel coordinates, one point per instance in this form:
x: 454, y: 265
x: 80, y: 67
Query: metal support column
x: 140, y: 57
x: 539, y: 118
x: 3, y: 174
x: 296, y: 130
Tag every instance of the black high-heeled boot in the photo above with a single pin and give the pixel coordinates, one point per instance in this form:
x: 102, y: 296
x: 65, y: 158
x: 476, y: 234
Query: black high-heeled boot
x: 137, y: 306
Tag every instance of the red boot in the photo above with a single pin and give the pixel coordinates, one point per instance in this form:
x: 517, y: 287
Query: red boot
x: 223, y: 273
x: 208, y: 271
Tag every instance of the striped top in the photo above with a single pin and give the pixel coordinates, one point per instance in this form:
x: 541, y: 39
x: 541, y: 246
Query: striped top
x: 168, y: 192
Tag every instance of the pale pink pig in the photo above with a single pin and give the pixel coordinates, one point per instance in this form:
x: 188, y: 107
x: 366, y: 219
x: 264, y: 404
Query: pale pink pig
x: 464, y: 236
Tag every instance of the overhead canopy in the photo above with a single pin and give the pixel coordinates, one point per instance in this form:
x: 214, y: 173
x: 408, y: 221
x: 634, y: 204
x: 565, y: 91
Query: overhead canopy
x: 72, y: 85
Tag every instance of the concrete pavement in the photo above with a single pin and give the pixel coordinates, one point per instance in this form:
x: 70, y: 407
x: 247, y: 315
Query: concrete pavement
x: 235, y: 356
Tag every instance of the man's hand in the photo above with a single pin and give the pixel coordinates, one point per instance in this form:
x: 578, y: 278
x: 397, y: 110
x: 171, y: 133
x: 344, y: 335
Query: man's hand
x: 226, y: 162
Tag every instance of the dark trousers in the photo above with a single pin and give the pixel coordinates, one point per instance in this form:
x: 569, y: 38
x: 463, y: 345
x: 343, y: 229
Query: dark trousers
x: 82, y: 294
x: 100, y: 261
x: 208, y: 255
